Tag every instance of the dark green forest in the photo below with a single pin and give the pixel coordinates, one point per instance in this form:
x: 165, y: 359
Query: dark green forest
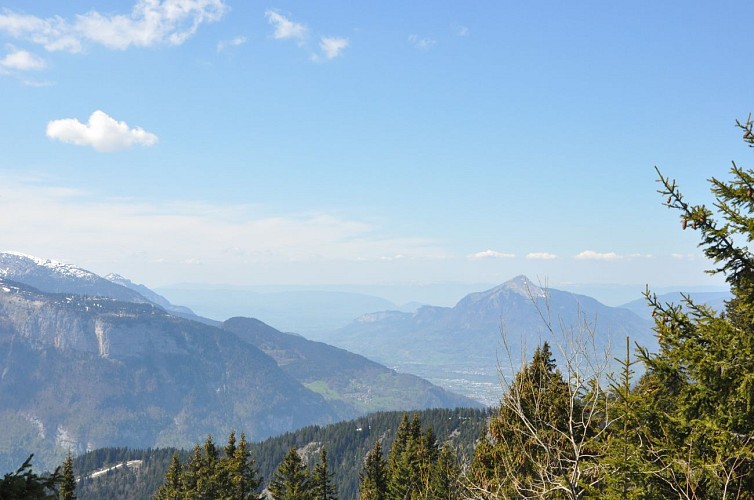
x: 347, y: 443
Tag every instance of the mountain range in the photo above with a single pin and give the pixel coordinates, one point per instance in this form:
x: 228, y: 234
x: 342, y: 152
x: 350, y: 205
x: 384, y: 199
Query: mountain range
x: 86, y: 362
x: 462, y: 348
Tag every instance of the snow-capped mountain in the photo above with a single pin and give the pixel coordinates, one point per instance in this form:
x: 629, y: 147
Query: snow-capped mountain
x: 52, y: 276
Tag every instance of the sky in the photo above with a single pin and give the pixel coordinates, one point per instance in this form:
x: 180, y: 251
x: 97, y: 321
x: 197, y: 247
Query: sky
x: 384, y: 143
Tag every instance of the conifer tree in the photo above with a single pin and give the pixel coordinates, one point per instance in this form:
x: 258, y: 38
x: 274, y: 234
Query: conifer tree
x: 322, y: 481
x: 291, y: 480
x: 172, y: 488
x: 445, y: 476
x: 192, y: 471
x: 531, y: 450
x: 699, y: 387
x: 428, y: 454
x: 373, y: 483
x: 405, y: 460
x: 24, y: 484
x: 67, y: 489
x: 624, y: 472
x: 244, y: 477
x: 208, y: 475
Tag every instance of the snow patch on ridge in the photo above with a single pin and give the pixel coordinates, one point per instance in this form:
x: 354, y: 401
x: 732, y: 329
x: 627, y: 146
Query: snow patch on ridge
x: 59, y: 268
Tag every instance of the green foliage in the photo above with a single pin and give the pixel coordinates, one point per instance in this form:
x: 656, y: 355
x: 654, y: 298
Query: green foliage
x: 414, y: 469
x: 141, y: 480
x: 208, y: 474
x: 240, y: 466
x: 24, y: 484
x: 322, y: 480
x: 347, y: 444
x: 68, y: 480
x: 699, y: 387
x: 374, y: 477
x: 444, y: 484
x: 291, y: 480
x: 623, y: 465
x: 529, y: 449
x: 171, y: 489
x: 685, y: 430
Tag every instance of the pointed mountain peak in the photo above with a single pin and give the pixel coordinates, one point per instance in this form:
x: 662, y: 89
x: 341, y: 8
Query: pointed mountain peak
x: 520, y: 285
x: 523, y: 286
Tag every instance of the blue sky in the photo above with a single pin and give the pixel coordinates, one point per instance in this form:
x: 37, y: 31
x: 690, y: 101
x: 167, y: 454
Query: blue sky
x: 219, y: 141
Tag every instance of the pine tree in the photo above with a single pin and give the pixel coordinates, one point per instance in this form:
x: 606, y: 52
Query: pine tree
x: 404, y: 461
x: 172, y: 488
x: 67, y: 489
x: 373, y: 478
x: 529, y: 453
x: 24, y: 484
x: 244, y: 478
x: 624, y: 472
x: 699, y: 387
x: 322, y: 482
x: 291, y: 480
x: 191, y: 475
x: 208, y: 480
x: 444, y: 479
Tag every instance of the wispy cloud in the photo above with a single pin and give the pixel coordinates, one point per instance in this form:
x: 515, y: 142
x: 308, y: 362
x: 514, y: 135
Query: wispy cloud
x: 285, y: 28
x: 226, y: 239
x: 490, y: 254
x: 421, y: 43
x: 22, y: 60
x: 332, y: 46
x: 101, y: 132
x: 233, y: 42
x: 150, y: 22
x: 609, y: 256
x: 592, y: 255
x: 541, y: 256
x: 683, y: 256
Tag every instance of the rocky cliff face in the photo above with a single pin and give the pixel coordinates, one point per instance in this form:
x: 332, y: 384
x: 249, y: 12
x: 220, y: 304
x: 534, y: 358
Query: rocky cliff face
x: 83, y: 372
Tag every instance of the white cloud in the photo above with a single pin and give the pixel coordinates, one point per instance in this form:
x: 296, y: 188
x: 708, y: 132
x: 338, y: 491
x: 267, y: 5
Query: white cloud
x: 150, y: 22
x: 101, y: 132
x: 592, y: 255
x: 491, y: 254
x: 541, y: 256
x: 422, y: 43
x: 22, y: 60
x: 330, y: 46
x: 333, y: 46
x: 233, y: 42
x: 392, y: 257
x: 285, y: 28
